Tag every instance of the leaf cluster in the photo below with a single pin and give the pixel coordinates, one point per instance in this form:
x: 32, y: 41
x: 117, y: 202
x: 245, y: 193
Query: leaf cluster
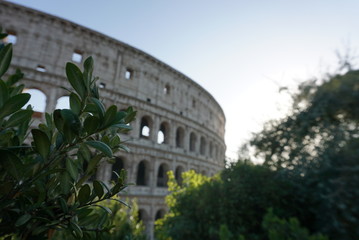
x: 44, y: 185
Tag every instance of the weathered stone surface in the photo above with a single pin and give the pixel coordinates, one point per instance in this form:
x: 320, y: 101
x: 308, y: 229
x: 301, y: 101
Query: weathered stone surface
x: 130, y: 77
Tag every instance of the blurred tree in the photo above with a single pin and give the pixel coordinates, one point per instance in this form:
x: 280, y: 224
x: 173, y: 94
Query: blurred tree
x: 231, y: 204
x: 317, y: 147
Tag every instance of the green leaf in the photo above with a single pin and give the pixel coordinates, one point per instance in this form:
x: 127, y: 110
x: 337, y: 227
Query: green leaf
x: 88, y: 69
x: 124, y: 147
x: 14, y: 104
x: 130, y: 115
x: 58, y: 120
x: 42, y: 142
x: 11, y: 163
x: 110, y: 116
x: 107, y: 210
x: 14, y: 78
x: 4, y: 93
x: 22, y: 220
x: 76, y: 229
x: 84, y: 194
x: 19, y: 117
x: 72, y: 125
x: 84, y: 152
x: 93, y: 163
x: 5, y: 58
x: 104, y: 148
x: 72, y: 168
x: 115, y: 140
x: 98, y: 189
x: 75, y: 103
x: 100, y: 109
x: 75, y: 78
x: 91, y: 124
x: 65, y: 183
x: 48, y: 118
x: 122, y: 126
x: 63, y: 205
x: 120, y: 116
x: 72, y: 120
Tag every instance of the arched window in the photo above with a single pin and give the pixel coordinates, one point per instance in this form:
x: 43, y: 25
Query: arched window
x: 166, y: 89
x: 142, y: 175
x: 179, y: 137
x: 160, y: 214
x: 63, y: 103
x: 142, y: 215
x: 203, y: 146
x: 117, y: 167
x: 178, y: 175
x: 192, y: 142
x: 145, y: 128
x: 162, y: 136
x: 37, y: 101
x: 210, y: 149
x: 215, y: 152
x: 162, y: 176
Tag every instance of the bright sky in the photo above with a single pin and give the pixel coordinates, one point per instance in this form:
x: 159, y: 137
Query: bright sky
x: 240, y: 51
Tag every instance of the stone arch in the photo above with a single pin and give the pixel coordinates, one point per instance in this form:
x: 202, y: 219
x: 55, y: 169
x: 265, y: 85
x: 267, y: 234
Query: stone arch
x: 160, y: 214
x: 37, y: 101
x: 192, y: 142
x: 178, y: 174
x: 162, y: 177
x: 117, y: 166
x: 145, y: 127
x: 142, y: 173
x: 63, y: 103
x: 202, y: 148
x: 163, y: 133
x: 180, y: 137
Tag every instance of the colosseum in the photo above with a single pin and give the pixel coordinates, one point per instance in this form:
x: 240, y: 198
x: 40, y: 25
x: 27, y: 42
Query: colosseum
x: 179, y: 125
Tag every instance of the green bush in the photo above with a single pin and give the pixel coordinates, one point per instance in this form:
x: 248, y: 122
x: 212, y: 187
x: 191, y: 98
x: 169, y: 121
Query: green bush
x: 281, y: 229
x: 43, y: 186
x: 125, y: 222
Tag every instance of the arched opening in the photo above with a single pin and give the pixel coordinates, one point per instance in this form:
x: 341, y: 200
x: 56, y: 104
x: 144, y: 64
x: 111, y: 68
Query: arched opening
x: 37, y: 101
x: 142, y: 215
x: 192, y: 142
x: 117, y: 167
x: 142, y: 175
x: 215, y: 154
x: 179, y: 137
x: 160, y: 214
x: 162, y: 176
x: 166, y: 89
x: 63, y: 103
x: 210, y: 149
x: 178, y: 175
x: 162, y: 136
x: 202, y: 148
x: 145, y: 128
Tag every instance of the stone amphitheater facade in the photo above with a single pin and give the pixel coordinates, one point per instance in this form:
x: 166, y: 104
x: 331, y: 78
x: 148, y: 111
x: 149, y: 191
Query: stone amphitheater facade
x: 179, y: 125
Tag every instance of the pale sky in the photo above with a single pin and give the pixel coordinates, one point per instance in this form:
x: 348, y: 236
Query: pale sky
x: 240, y: 51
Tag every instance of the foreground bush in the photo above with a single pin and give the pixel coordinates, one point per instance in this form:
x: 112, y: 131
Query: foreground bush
x: 43, y: 186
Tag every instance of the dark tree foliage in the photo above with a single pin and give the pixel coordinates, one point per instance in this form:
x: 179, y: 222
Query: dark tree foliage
x: 239, y: 199
x: 318, y: 145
